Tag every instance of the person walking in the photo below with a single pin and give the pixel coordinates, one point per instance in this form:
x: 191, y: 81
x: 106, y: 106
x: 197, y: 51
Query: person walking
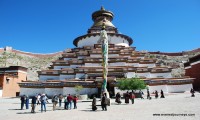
x: 156, y: 94
x: 43, y: 102
x: 22, y: 101
x: 132, y: 97
x: 141, y: 94
x: 75, y: 99
x: 94, y: 101
x: 192, y: 92
x: 127, y: 98
x: 148, y: 95
x: 60, y: 99
x: 118, y: 98
x: 54, y: 101
x: 104, y: 103
x: 162, y: 94
x: 33, y: 103
x: 38, y: 99
x: 27, y: 101
x: 65, y: 102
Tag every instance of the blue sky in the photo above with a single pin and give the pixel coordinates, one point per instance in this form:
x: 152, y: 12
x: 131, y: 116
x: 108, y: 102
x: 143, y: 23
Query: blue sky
x: 46, y: 26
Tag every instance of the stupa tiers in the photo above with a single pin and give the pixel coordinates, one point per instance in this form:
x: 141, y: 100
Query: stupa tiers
x: 83, y: 65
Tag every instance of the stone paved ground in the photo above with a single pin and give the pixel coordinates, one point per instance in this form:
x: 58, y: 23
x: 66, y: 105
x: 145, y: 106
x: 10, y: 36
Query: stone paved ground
x: 175, y: 104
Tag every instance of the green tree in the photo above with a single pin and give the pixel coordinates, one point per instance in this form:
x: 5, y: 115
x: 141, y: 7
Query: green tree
x: 131, y: 84
x: 78, y: 88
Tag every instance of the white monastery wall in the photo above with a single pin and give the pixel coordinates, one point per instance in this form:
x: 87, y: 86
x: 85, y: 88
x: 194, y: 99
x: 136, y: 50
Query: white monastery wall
x: 93, y: 64
x: 64, y: 77
x: 133, y: 64
x: 95, y: 55
x: 161, y: 75
x: 148, y: 65
x: 59, y: 67
x: 46, y: 77
x: 158, y: 88
x: 117, y: 64
x: 80, y: 75
x: 1, y: 92
x: 74, y: 66
x: 90, y: 41
x: 130, y: 74
x: 53, y: 91
x: 113, y: 55
x: 147, y: 74
x: 179, y: 88
x: 31, y: 91
x: 88, y: 91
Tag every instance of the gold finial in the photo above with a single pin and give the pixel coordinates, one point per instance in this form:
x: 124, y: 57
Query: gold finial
x: 102, y: 8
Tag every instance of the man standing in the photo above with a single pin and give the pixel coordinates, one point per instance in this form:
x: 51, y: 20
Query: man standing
x: 43, y: 102
x: 60, y: 99
x: 69, y: 99
x: 132, y: 97
x: 104, y: 103
x: 22, y: 101
x: 33, y: 104
x: 54, y: 101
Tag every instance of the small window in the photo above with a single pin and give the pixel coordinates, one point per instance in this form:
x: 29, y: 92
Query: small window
x: 7, y: 80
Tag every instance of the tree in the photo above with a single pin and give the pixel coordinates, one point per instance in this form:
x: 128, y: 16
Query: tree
x: 131, y: 84
x: 78, y: 88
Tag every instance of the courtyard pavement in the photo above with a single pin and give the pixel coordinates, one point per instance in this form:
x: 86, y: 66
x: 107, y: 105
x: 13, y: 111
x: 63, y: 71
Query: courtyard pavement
x: 176, y: 106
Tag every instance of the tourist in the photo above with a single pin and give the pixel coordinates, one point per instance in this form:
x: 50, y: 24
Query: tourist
x: 38, y: 99
x: 54, y: 101
x: 192, y: 92
x: 33, y: 104
x: 156, y: 94
x: 132, y: 97
x: 75, y: 101
x: 69, y: 99
x: 118, y: 98
x: 43, y: 99
x: 104, y: 102
x: 27, y: 101
x: 141, y: 94
x: 65, y: 102
x: 60, y: 99
x: 162, y: 94
x: 148, y: 94
x: 94, y: 101
x: 22, y: 101
x: 127, y: 98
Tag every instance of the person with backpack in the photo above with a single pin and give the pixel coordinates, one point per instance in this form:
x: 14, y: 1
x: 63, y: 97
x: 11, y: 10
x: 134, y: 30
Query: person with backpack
x: 43, y: 102
x: 33, y: 104
x: 54, y: 101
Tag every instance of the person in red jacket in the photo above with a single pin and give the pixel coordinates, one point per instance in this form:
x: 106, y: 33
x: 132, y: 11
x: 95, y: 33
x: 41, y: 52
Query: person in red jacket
x: 75, y: 102
x: 132, y: 97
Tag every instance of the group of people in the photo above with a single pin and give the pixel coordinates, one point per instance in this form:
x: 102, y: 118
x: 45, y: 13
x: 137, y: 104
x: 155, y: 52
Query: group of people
x: 42, y: 99
x: 156, y: 94
x: 104, y: 102
x: 128, y: 96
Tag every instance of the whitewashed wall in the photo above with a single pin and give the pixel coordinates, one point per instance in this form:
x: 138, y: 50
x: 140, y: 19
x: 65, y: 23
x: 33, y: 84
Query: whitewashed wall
x: 93, y: 64
x: 45, y: 77
x: 59, y: 67
x: 147, y: 74
x: 148, y: 65
x: 74, y: 66
x: 165, y: 75
x: 63, y: 77
x: 90, y: 41
x: 71, y: 90
x: 80, y: 75
x: 1, y: 92
x: 31, y: 91
x: 67, y: 58
x: 117, y: 64
x: 130, y: 74
x: 53, y: 91
x: 95, y: 55
x: 133, y: 64
x: 113, y: 55
x: 158, y: 88
x: 179, y: 88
